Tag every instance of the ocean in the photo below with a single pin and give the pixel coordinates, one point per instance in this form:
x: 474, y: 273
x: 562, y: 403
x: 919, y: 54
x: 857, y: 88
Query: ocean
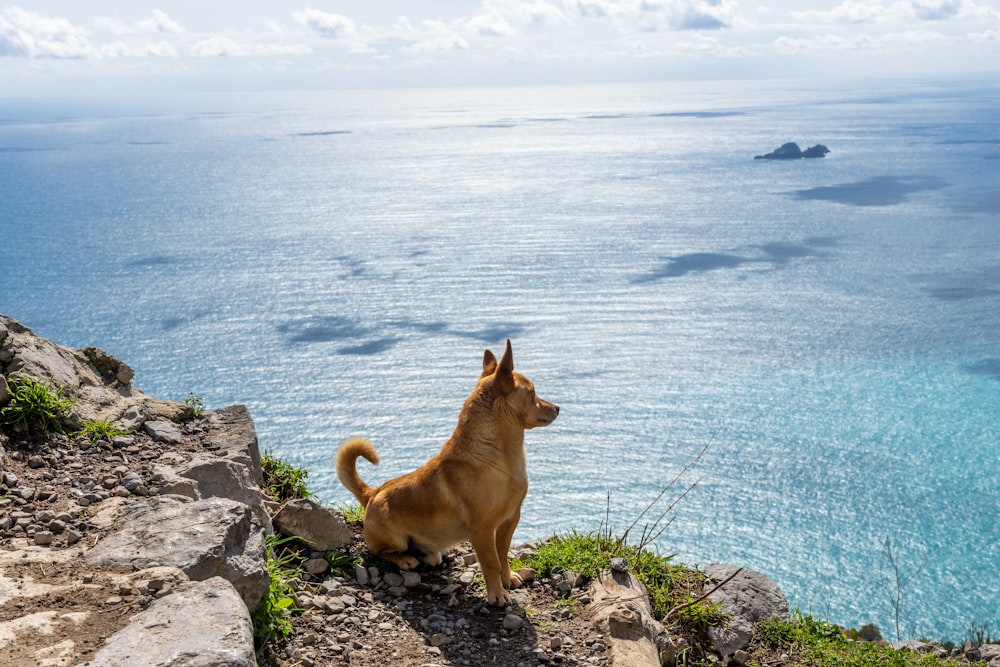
x: 826, y: 331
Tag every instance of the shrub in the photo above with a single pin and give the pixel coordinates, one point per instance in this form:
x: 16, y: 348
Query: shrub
x: 196, y: 403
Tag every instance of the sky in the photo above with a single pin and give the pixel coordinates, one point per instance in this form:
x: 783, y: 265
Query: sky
x: 104, y: 46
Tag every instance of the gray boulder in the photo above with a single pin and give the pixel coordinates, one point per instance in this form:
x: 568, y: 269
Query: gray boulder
x: 232, y: 433
x: 203, y: 624
x: 164, y: 431
x: 203, y: 538
x: 312, y: 523
x: 748, y: 598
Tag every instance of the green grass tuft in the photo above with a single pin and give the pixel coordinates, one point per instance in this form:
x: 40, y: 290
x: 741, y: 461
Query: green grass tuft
x: 35, y: 406
x: 282, y: 480
x: 352, y: 513
x: 821, y: 644
x: 274, y: 618
x: 99, y: 430
x: 670, y: 585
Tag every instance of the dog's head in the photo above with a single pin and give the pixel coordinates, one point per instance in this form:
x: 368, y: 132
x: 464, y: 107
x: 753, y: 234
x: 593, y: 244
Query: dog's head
x: 516, y: 393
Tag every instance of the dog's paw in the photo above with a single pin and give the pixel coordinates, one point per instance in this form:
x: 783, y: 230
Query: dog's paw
x: 515, y: 580
x: 407, y: 562
x: 501, y: 599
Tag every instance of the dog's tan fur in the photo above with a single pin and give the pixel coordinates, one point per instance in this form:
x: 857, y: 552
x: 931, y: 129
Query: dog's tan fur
x: 472, y: 489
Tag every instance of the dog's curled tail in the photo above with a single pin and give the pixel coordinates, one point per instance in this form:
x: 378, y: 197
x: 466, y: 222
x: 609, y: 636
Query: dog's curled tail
x: 347, y: 471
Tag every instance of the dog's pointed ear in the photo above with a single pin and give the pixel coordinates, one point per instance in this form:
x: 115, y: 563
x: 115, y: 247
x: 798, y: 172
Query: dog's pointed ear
x: 505, y: 371
x: 489, y: 364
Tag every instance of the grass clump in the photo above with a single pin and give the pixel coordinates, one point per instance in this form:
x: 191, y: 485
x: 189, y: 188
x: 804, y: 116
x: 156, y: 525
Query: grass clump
x: 99, y: 430
x: 35, y: 406
x: 352, y: 513
x: 821, y: 644
x: 274, y: 618
x: 282, y: 480
x: 673, y: 589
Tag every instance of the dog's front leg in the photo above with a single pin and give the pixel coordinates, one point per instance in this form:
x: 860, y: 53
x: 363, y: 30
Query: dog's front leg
x: 504, y: 535
x: 484, y: 542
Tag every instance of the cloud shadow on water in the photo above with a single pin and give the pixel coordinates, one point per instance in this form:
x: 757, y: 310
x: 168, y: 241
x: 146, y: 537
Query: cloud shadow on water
x: 774, y: 254
x: 875, y: 191
x: 988, y: 367
x: 695, y: 262
x: 370, y: 347
x: 492, y: 333
x: 153, y: 260
x: 322, y: 329
x: 359, y: 339
x: 959, y: 293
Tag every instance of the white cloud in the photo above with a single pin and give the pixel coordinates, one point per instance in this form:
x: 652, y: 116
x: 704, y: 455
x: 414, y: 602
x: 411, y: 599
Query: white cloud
x: 527, y: 12
x: 898, y: 11
x: 119, y: 49
x: 325, y: 24
x: 218, y: 46
x: 490, y: 25
x: 25, y: 34
x: 498, y: 36
x: 437, y: 37
x: 159, y: 22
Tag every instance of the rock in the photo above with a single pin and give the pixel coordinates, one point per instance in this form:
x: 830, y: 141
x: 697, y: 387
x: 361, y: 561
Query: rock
x: 623, y: 614
x: 163, y: 431
x: 748, y: 598
x: 316, y: 565
x: 131, y: 481
x: 134, y: 417
x: 231, y: 430
x: 221, y: 478
x: 791, y: 151
x: 311, y: 522
x: 204, y: 538
x: 439, y: 639
x: 109, y: 367
x: 173, y: 411
x: 200, y: 624
x: 170, y: 483
x: 512, y: 622
x: 989, y: 654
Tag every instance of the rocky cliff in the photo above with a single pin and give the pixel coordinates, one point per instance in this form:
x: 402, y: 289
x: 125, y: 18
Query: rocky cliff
x: 147, y: 547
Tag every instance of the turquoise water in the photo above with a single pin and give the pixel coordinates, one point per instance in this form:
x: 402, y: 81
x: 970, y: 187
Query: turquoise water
x: 338, y: 262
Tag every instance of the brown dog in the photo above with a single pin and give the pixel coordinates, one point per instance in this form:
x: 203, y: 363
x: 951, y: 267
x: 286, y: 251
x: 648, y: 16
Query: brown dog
x: 472, y: 489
